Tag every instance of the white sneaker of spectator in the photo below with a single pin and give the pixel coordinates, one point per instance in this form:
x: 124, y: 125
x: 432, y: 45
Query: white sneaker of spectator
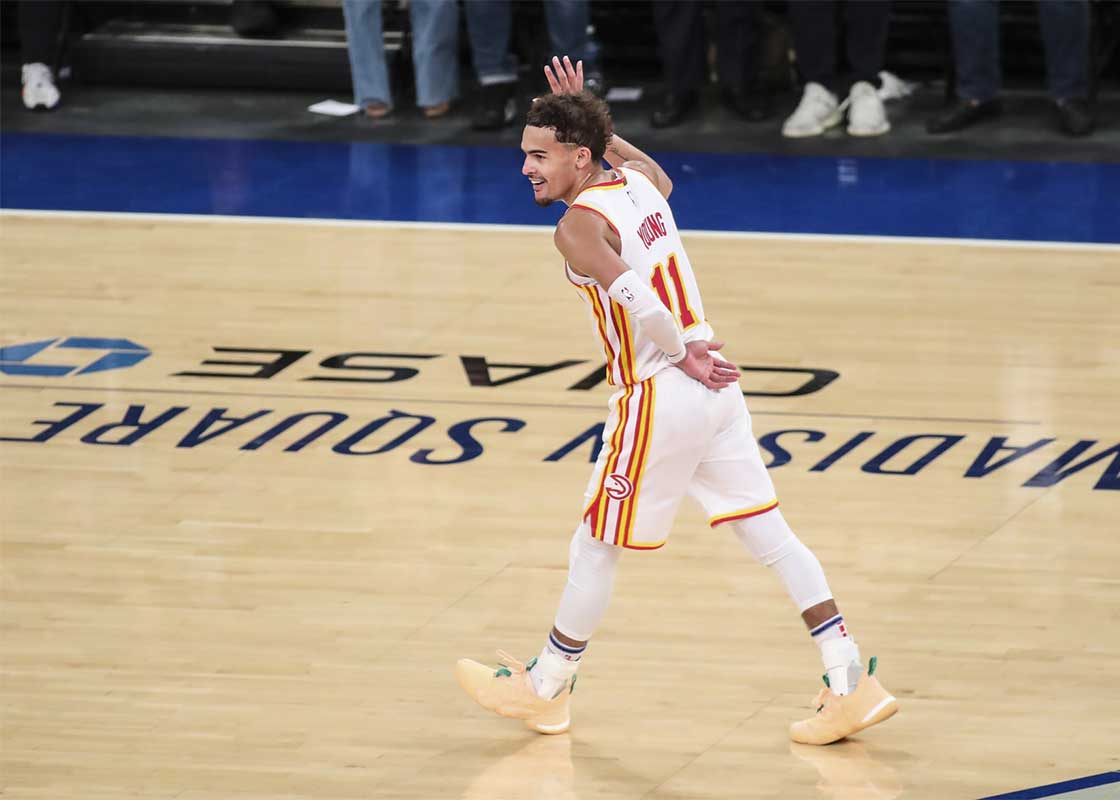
x: 817, y: 112
x: 893, y: 87
x: 866, y: 114
x: 38, y: 87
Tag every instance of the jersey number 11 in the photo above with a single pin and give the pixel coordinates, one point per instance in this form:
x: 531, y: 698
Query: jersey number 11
x: 684, y: 313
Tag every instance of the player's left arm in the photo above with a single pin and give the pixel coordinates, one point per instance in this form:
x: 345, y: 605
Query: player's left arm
x: 567, y: 78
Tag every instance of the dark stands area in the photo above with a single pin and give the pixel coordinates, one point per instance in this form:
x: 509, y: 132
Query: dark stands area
x: 250, y: 70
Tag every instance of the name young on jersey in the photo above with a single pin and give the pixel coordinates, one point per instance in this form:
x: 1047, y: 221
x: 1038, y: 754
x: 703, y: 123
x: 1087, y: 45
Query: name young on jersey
x: 651, y: 229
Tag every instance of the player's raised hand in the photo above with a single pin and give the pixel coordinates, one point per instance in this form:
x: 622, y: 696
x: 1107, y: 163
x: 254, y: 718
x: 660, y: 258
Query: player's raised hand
x: 699, y: 363
x: 563, y: 78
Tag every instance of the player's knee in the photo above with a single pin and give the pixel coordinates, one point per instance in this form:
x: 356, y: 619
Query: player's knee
x: 589, y: 552
x: 770, y: 540
x: 790, y: 548
x: 767, y: 537
x: 592, y: 564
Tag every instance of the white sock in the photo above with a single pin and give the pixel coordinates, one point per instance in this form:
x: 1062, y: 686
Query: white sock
x: 769, y: 538
x: 554, y: 668
x: 839, y: 654
x: 591, y: 569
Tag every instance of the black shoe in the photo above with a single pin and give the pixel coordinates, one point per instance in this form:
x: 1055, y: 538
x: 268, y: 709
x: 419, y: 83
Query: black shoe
x: 673, y: 109
x: 496, y: 107
x: 1075, y: 118
x: 254, y: 19
x: 753, y: 106
x: 963, y: 114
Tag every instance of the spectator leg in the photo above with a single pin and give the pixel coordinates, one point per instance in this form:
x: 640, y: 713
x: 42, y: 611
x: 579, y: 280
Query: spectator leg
x: 975, y: 26
x: 435, y: 50
x: 567, y: 30
x: 814, y: 39
x: 366, y: 48
x: 867, y: 22
x: 488, y: 25
x: 1065, y: 32
x: 39, y: 23
x: 738, y: 24
x: 680, y: 33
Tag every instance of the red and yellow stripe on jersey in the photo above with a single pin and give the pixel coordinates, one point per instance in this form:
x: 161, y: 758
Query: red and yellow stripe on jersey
x: 612, y: 324
x: 611, y: 321
x: 625, y: 366
x: 593, y: 210
x: 616, y: 183
x: 744, y: 513
x: 612, y: 511
x: 592, y: 296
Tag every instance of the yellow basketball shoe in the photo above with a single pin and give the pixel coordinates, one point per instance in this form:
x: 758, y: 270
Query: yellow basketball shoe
x: 839, y: 716
x: 508, y: 692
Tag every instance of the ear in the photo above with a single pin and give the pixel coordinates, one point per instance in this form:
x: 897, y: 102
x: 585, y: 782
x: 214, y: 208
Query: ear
x: 583, y: 157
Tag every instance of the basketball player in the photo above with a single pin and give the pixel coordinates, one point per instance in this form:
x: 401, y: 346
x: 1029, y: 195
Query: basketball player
x: 673, y: 428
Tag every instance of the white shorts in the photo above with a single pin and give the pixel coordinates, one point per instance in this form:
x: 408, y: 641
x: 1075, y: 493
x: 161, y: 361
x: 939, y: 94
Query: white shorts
x: 667, y: 437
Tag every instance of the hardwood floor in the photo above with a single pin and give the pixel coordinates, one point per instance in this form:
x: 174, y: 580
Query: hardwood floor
x: 203, y: 601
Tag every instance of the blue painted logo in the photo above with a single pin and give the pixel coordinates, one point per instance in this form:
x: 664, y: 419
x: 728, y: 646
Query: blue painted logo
x: 111, y: 354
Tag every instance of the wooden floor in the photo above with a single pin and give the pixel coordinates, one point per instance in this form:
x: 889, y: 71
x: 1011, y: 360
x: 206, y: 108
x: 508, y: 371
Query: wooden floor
x: 192, y: 617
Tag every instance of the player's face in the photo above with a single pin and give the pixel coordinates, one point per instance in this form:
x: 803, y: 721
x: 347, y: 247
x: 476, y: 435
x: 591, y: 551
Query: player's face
x: 549, y: 165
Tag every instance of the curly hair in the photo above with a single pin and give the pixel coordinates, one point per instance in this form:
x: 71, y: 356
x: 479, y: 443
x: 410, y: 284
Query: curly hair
x: 580, y: 119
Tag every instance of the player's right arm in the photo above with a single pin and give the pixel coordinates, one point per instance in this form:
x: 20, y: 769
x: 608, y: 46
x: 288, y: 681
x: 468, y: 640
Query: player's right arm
x: 582, y: 237
x: 564, y: 78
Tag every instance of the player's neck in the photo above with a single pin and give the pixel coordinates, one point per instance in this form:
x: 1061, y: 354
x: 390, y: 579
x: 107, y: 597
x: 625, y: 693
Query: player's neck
x: 594, y: 176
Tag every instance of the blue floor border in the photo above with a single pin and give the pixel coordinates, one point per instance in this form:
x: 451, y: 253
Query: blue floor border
x: 1063, y: 787
x: 969, y: 199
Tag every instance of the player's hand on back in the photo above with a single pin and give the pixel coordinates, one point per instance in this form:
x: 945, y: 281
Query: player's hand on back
x: 563, y: 78
x: 713, y: 372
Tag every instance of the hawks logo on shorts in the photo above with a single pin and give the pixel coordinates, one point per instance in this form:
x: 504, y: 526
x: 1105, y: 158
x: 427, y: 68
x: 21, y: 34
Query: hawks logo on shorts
x: 617, y: 478
x: 618, y: 486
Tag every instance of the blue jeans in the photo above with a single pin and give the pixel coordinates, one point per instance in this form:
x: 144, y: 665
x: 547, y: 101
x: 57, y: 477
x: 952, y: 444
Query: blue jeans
x: 489, y: 22
x: 435, y: 45
x: 1065, y: 34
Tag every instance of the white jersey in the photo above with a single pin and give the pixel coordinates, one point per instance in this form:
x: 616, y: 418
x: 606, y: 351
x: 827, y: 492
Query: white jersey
x: 651, y: 246
x: 666, y: 435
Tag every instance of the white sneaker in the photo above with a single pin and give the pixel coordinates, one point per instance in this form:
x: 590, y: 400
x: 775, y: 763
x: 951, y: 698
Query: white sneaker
x: 817, y: 112
x: 866, y: 114
x: 892, y: 87
x: 38, y: 87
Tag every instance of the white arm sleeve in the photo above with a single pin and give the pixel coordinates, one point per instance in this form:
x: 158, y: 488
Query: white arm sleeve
x: 641, y: 303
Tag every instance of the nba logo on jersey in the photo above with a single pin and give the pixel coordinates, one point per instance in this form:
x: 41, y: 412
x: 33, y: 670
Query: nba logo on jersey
x: 618, y: 486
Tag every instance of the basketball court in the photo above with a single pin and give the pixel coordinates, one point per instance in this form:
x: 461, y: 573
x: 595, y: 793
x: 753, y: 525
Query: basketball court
x: 265, y: 480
